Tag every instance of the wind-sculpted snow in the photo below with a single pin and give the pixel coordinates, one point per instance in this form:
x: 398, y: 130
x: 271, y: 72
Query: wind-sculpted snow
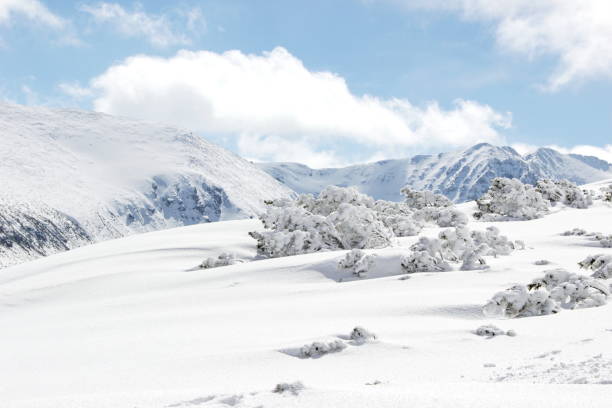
x: 461, y: 176
x: 112, y: 177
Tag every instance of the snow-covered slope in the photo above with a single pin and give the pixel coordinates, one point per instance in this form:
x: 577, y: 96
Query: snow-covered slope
x: 87, y: 176
x: 130, y: 323
x: 461, y: 176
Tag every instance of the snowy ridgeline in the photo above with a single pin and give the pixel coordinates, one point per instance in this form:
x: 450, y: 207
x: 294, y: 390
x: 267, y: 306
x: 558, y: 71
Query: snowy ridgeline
x: 461, y: 176
x: 72, y: 177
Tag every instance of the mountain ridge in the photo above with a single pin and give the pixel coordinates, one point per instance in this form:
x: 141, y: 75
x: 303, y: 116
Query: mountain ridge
x: 71, y: 177
x: 461, y: 175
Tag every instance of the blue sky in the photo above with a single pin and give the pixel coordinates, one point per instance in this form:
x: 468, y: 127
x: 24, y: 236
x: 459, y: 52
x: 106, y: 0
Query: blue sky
x: 349, y: 80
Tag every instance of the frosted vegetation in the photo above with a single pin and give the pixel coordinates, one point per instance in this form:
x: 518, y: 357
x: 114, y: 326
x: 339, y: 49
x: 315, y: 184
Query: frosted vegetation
x: 358, y: 262
x: 459, y: 245
x: 557, y: 290
x: 510, y: 199
x: 224, y: 259
x: 344, y: 218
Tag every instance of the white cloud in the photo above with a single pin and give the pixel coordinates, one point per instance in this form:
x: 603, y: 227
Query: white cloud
x: 274, y: 97
x: 31, y: 9
x: 160, y: 30
x: 578, y: 32
x: 74, y: 90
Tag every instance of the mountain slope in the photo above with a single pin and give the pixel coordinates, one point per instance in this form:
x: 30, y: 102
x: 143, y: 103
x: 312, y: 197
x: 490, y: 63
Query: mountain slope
x: 461, y: 176
x: 88, y: 176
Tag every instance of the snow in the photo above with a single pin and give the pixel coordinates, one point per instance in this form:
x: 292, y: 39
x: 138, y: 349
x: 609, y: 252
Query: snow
x: 114, y: 177
x: 133, y: 322
x: 460, y: 175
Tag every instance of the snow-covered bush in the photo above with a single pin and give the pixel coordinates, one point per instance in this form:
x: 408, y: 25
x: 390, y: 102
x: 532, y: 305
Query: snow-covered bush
x: 541, y: 262
x: 574, y: 231
x: 558, y: 289
x: 362, y: 335
x: 518, y: 301
x: 510, y: 199
x: 282, y: 243
x: 294, y: 388
x: 318, y: 348
x: 357, y: 261
x: 422, y: 261
x: 489, y: 330
x: 443, y: 217
x: 225, y: 258
x: 564, y: 192
x: 422, y: 199
x: 601, y: 264
x: 339, y: 218
x: 398, y: 217
x: 456, y: 245
x: 607, y: 193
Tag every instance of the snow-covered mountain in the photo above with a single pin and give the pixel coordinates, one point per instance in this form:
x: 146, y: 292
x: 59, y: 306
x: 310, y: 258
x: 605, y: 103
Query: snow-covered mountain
x: 461, y: 176
x: 70, y: 177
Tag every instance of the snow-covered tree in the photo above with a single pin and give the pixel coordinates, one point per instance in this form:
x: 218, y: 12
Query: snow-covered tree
x: 423, y: 261
x: 601, y: 264
x: 564, y: 192
x: 509, y: 199
x: 357, y: 261
x: 607, y: 193
x: 557, y: 290
x: 422, y: 199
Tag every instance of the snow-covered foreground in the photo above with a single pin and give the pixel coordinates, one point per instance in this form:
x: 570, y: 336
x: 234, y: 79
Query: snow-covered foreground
x: 132, y: 323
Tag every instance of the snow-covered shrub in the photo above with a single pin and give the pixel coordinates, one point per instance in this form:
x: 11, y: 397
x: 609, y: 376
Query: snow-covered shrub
x: 318, y: 348
x: 339, y: 218
x: 398, y: 217
x: 601, y: 264
x: 564, y: 192
x: 498, y: 244
x: 359, y: 227
x: 518, y: 301
x: 472, y: 258
x: 294, y: 388
x: 422, y: 261
x: 225, y: 258
x: 574, y: 231
x: 422, y: 199
x: 519, y: 244
x: 541, y: 262
x: 489, y: 330
x: 282, y: 243
x: 606, y: 242
x: 443, y: 217
x: 357, y: 261
x: 607, y: 193
x: 558, y: 289
x: 456, y: 245
x: 510, y: 199
x: 361, y: 335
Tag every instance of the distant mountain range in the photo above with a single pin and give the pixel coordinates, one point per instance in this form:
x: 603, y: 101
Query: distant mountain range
x: 70, y: 177
x: 461, y: 175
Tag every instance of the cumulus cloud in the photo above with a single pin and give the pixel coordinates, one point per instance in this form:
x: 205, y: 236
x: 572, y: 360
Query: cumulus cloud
x: 33, y: 10
x: 578, y: 32
x: 274, y: 98
x: 160, y: 30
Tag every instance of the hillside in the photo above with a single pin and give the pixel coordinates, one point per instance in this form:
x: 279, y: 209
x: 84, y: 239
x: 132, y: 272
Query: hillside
x: 131, y: 323
x: 71, y: 177
x: 461, y: 176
